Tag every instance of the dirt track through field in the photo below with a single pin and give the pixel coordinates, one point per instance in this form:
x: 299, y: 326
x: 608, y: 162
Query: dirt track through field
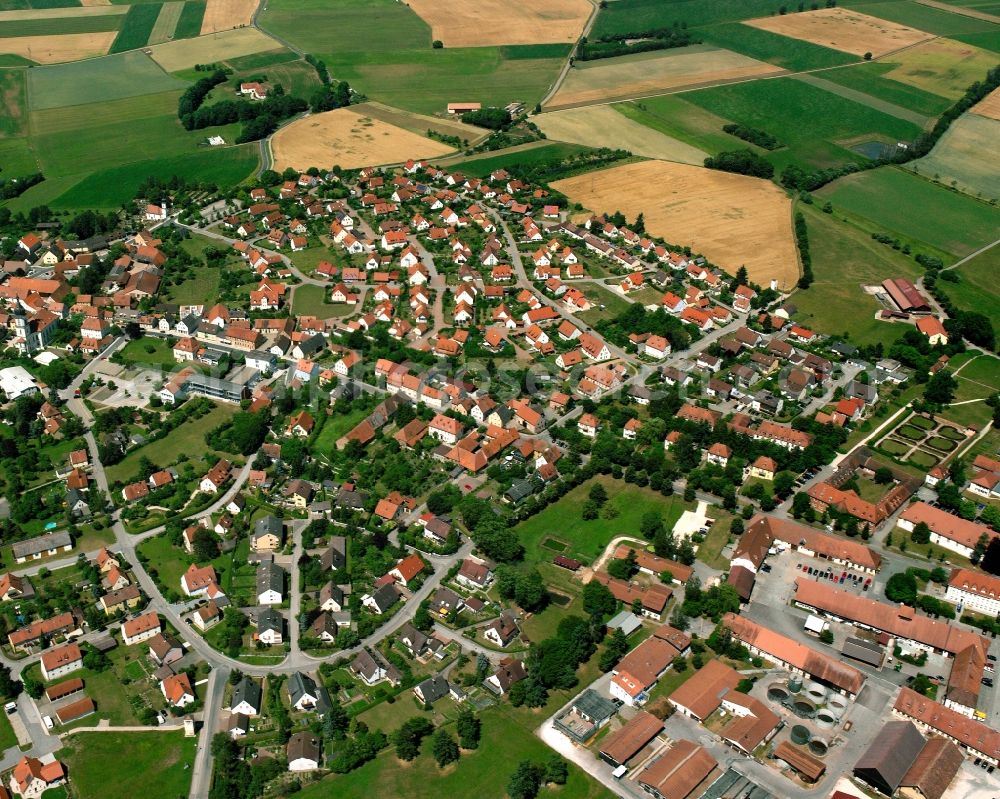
x: 221, y: 15
x: 732, y: 219
x: 989, y: 106
x: 350, y: 139
x: 463, y: 23
x: 843, y: 29
x: 865, y: 99
x: 614, y: 79
x: 603, y: 126
x: 55, y: 49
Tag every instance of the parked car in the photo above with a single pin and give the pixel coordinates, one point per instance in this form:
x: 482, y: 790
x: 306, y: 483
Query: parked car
x: 11, y: 708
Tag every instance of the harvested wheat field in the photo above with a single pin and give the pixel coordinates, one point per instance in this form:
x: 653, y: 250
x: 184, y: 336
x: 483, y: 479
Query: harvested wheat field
x: 731, y: 219
x: 460, y: 23
x: 221, y: 15
x: 989, y: 106
x: 349, y: 139
x: 87, y: 3
x: 61, y: 13
x: 843, y: 29
x: 185, y: 53
x: 611, y: 79
x: 603, y: 126
x: 56, y: 49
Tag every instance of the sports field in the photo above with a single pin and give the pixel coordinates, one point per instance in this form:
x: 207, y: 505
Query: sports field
x: 178, y: 55
x: 222, y: 15
x: 57, y: 49
x: 917, y: 209
x: 967, y: 157
x: 943, y: 66
x: 989, y: 106
x: 816, y: 125
x: 653, y: 73
x: 459, y: 23
x: 350, y: 139
x: 843, y: 29
x: 604, y: 126
x: 97, y: 80
x: 732, y: 219
x: 845, y: 258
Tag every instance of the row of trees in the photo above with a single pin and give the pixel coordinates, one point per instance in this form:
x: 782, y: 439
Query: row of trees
x: 743, y: 162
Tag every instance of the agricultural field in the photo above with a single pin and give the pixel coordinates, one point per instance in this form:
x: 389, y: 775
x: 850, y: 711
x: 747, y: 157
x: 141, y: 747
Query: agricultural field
x: 900, y: 202
x: 138, y: 26
x: 871, y: 80
x: 989, y: 106
x: 177, y: 55
x: 47, y: 49
x: 654, y: 73
x: 529, y: 155
x: 782, y: 51
x: 817, y: 126
x: 458, y: 23
x: 421, y: 123
x: 843, y: 29
x: 628, y: 16
x: 17, y: 157
x: 978, y: 289
x: 221, y: 15
x: 350, y: 139
x: 155, y: 758
x: 604, y: 126
x: 943, y: 67
x: 938, y: 21
x: 845, y: 258
x: 13, y: 123
x: 732, y: 219
x: 97, y: 81
x: 966, y: 157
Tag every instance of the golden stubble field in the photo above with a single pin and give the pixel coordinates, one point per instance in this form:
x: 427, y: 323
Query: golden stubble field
x: 350, y: 139
x: 56, y: 49
x: 222, y: 15
x: 843, y: 29
x: 654, y: 73
x: 989, y: 106
x: 461, y: 23
x: 732, y: 219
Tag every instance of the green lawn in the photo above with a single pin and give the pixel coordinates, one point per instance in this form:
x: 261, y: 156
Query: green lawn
x: 149, y: 351
x: 187, y: 439
x: 846, y: 258
x: 507, y: 737
x: 171, y: 562
x: 334, y: 427
x: 311, y: 301
x: 154, y: 759
x: 586, y: 539
x: 7, y: 737
x: 925, y: 212
x: 614, y: 304
x: 814, y: 124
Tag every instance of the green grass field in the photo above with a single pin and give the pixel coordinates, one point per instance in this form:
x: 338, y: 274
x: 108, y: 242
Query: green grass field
x: 869, y: 78
x: 673, y: 116
x: 61, y: 25
x: 631, y: 16
x: 783, y: 51
x: 348, y: 25
x: 137, y: 27
x: 508, y: 738
x: 13, y: 90
x: 189, y: 25
x: 586, y: 539
x: 110, y: 187
x: 97, y: 80
x: 979, y: 289
x: 187, y: 439
x: 812, y: 122
x: 7, y: 737
x: 987, y: 41
x: 966, y: 157
x: 925, y: 18
x: 138, y: 352
x: 155, y: 758
x: 311, y: 301
x: 845, y: 258
x: 917, y: 209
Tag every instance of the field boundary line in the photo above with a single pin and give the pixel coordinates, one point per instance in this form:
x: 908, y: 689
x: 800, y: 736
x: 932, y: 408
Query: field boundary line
x: 961, y: 11
x: 865, y: 99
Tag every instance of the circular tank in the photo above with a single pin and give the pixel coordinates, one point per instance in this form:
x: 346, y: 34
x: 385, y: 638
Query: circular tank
x: 800, y: 735
x: 795, y: 684
x: 777, y: 692
x: 818, y: 747
x: 837, y: 702
x: 816, y: 692
x: 836, y: 712
x: 825, y: 719
x: 803, y: 708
